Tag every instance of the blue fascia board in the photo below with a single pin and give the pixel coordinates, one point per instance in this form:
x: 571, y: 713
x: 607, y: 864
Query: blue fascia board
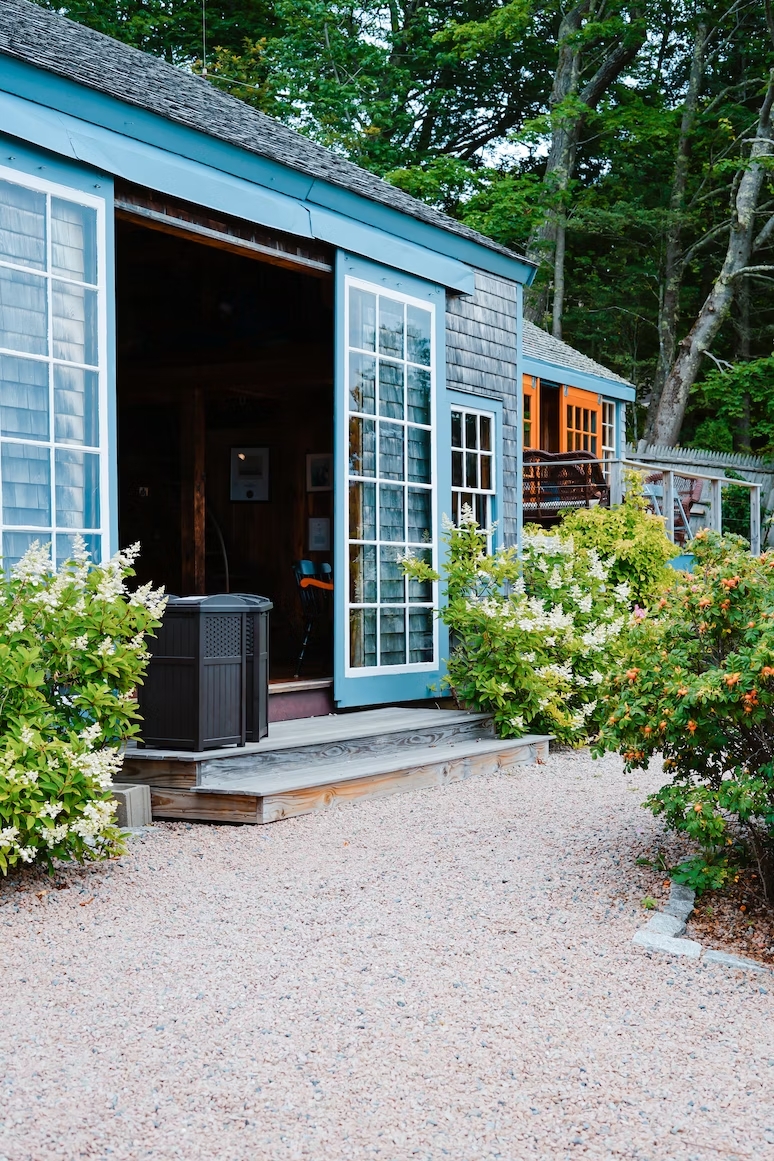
x: 103, y: 111
x: 351, y: 205
x: 178, y: 176
x: 569, y: 377
x: 149, y: 166
x: 400, y: 255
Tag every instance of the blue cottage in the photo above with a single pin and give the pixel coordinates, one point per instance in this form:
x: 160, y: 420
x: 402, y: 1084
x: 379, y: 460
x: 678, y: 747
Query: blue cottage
x: 229, y: 343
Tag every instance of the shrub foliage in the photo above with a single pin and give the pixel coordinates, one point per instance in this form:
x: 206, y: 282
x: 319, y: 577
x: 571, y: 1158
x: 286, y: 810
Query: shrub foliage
x: 531, y: 636
x: 72, y: 650
x: 633, y: 539
x: 696, y: 682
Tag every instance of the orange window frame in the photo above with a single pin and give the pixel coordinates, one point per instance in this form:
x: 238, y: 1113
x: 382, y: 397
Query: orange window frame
x: 581, y: 421
x: 531, y: 389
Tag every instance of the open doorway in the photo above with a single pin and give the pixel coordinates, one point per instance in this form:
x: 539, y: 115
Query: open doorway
x: 549, y: 416
x: 225, y: 424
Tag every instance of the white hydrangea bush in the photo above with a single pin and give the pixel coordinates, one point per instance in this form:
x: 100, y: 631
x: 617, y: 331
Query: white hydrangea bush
x: 72, y: 652
x: 533, y: 637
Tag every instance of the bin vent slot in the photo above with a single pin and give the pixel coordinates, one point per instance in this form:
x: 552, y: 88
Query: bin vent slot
x: 222, y: 636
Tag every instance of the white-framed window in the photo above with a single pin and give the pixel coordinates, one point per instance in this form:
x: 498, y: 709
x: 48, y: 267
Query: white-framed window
x: 53, y: 339
x: 608, y: 435
x: 390, y: 388
x: 473, y: 467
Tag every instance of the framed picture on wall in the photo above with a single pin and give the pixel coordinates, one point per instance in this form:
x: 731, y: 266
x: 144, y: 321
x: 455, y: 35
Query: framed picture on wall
x: 319, y: 534
x: 250, y: 474
x: 319, y: 472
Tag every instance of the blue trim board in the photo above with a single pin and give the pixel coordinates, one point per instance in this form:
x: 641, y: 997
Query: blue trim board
x: 520, y: 372
x: 378, y: 689
x: 97, y: 111
x: 112, y: 385
x: 582, y: 379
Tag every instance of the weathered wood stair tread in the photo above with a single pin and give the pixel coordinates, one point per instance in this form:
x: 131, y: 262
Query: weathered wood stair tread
x: 303, y: 777
x: 335, y: 728
x: 272, y: 797
x: 339, y: 739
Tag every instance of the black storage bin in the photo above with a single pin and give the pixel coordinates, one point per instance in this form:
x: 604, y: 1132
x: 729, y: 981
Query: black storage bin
x: 195, y: 689
x: 257, y: 672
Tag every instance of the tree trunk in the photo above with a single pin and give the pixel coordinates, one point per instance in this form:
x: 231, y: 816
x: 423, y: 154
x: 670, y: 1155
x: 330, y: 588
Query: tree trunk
x: 548, y: 243
x: 669, y: 306
x: 743, y: 354
x: 716, y: 307
x: 559, y: 253
x: 559, y: 165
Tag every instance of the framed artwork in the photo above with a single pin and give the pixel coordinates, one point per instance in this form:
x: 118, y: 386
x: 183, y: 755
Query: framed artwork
x: 250, y: 474
x: 319, y: 534
x: 319, y: 472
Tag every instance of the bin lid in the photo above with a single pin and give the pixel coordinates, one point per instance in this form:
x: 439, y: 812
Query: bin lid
x: 219, y: 603
x: 255, y: 602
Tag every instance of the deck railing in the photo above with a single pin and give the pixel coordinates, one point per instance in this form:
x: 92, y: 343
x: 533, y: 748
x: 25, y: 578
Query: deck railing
x: 556, y: 482
x: 717, y: 484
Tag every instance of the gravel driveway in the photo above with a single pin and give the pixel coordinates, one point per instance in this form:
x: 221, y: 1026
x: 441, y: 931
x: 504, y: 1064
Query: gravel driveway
x: 443, y: 974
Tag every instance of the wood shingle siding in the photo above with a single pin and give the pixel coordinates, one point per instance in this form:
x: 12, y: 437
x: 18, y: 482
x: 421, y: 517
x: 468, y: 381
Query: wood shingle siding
x: 481, y: 360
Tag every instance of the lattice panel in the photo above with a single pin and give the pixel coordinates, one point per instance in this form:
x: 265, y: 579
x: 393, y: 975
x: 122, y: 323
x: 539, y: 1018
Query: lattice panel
x: 249, y: 635
x: 222, y: 636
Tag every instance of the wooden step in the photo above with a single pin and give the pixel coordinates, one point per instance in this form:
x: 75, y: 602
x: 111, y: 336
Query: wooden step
x: 306, y: 742
x: 284, y: 793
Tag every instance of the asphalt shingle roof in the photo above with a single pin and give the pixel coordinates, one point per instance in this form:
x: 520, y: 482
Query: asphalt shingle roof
x: 52, y: 42
x: 538, y: 344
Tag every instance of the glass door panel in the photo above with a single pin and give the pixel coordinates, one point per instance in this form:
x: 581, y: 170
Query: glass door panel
x: 390, y: 408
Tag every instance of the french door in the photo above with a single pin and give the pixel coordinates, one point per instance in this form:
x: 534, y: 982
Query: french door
x: 391, y: 448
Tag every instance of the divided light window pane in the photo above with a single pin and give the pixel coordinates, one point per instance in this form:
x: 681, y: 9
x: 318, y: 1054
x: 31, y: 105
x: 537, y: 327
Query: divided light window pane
x: 76, y: 405
x: 23, y: 312
x: 22, y: 226
x: 73, y: 241
x: 23, y: 397
x: 26, y: 476
x: 74, y: 311
x: 472, y: 469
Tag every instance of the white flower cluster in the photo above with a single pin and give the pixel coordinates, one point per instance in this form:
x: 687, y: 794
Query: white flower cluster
x: 8, y: 836
x: 96, y: 816
x: 90, y: 734
x: 100, y: 765
x: 152, y: 599
x: 35, y: 565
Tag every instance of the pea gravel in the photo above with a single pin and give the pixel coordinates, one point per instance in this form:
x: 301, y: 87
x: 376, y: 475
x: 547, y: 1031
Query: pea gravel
x: 442, y: 974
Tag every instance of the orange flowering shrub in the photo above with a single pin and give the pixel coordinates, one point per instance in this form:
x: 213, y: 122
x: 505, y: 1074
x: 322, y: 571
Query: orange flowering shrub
x: 695, y: 682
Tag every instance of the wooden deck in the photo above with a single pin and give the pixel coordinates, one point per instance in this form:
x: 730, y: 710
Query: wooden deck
x: 316, y: 763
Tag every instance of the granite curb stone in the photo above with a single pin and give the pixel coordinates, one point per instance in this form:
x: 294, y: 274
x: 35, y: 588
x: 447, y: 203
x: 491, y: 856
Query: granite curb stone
x: 663, y: 930
x: 662, y: 923
x: 652, y: 941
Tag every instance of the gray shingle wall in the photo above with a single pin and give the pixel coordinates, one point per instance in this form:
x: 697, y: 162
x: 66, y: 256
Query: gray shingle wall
x: 481, y: 360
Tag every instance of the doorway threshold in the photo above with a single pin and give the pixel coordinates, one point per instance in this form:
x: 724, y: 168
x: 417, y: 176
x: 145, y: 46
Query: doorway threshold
x: 298, y: 684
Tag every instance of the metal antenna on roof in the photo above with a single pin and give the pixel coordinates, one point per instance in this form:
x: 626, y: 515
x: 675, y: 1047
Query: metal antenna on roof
x: 204, y: 38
